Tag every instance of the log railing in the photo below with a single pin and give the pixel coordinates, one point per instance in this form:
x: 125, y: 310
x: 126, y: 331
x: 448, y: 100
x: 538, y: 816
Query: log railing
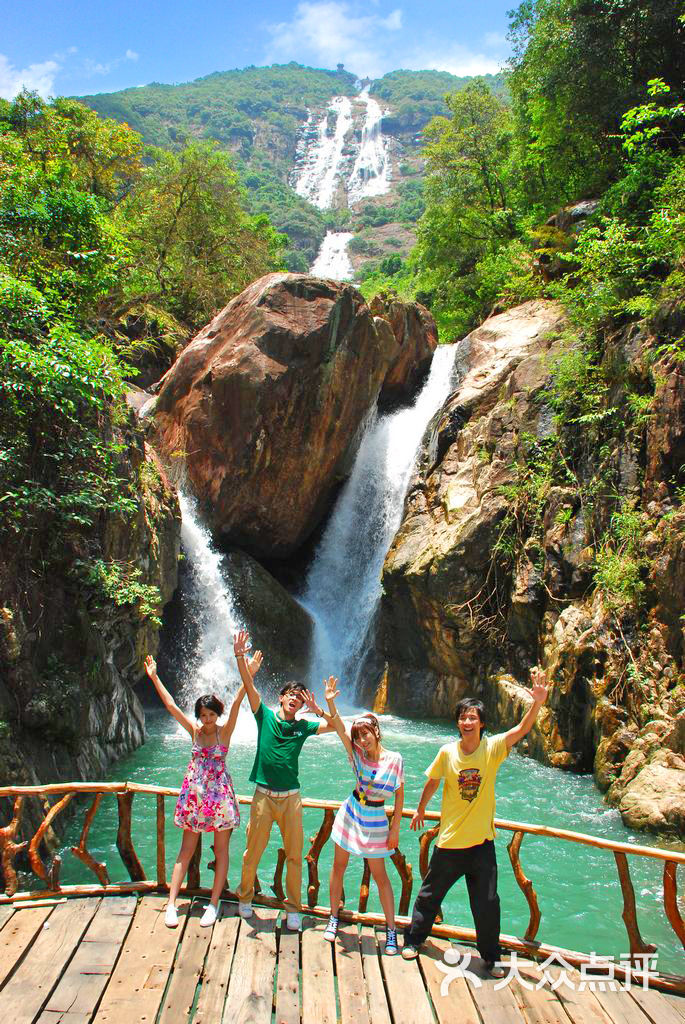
x: 125, y: 792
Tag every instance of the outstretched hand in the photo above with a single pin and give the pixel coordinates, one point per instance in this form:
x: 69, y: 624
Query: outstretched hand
x: 254, y: 663
x: 241, y: 643
x: 539, y: 685
x: 416, y: 823
x: 310, y: 702
x: 150, y: 666
x: 331, y: 690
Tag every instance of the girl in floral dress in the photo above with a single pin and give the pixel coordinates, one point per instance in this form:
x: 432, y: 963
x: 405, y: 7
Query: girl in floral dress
x: 207, y: 801
x: 361, y: 824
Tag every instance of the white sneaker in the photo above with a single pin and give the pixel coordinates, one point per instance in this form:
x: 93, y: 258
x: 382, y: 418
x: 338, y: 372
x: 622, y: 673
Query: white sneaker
x: 209, y: 916
x: 245, y: 910
x: 293, y: 921
x: 171, y: 916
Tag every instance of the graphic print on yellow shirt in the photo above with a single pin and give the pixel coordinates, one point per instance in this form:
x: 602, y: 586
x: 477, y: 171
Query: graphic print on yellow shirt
x: 467, y: 816
x: 469, y: 783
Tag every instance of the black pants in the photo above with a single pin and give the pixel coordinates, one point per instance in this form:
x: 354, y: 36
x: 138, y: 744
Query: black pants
x: 479, y: 865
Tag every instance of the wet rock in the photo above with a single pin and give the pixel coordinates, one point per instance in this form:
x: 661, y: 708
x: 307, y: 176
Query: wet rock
x: 278, y: 625
x: 436, y: 575
x: 266, y: 403
x: 416, y: 338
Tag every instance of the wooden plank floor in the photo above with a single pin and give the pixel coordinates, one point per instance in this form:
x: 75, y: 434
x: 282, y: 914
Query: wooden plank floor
x: 112, y: 961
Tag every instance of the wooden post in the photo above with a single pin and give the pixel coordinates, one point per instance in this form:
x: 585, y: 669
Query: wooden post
x: 637, y: 944
x: 9, y: 849
x: 161, y: 852
x: 525, y: 885
x: 363, y: 889
x: 124, y: 840
x: 671, y: 901
x: 98, y: 868
x: 404, y: 870
x: 315, y: 852
x: 194, y: 866
x: 424, y: 850
x: 277, y: 886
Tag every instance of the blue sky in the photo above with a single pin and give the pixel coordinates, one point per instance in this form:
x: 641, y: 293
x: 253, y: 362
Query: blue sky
x: 73, y: 47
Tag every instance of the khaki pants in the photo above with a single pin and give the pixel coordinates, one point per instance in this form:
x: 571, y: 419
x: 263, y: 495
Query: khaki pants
x: 286, y: 811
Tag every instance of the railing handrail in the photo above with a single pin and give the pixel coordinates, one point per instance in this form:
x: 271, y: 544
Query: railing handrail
x: 546, y: 831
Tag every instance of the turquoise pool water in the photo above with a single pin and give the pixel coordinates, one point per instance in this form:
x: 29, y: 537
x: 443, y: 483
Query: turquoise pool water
x: 577, y: 886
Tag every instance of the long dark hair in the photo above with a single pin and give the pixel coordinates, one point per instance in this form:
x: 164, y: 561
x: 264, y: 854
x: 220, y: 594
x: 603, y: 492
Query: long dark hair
x: 211, y: 702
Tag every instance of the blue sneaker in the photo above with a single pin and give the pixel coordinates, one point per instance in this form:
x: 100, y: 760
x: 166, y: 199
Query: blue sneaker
x: 391, y: 942
x: 331, y: 929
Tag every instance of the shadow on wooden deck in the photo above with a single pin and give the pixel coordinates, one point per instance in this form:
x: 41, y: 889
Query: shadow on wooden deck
x: 113, y: 961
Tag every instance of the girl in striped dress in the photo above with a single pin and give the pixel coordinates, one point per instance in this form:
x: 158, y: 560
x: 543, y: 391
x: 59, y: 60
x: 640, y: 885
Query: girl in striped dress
x: 361, y: 824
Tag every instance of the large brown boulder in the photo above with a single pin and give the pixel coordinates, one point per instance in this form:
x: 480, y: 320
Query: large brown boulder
x: 265, y: 406
x: 416, y: 337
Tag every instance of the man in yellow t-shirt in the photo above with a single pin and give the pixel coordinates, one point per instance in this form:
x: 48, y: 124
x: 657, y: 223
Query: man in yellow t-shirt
x: 465, y: 843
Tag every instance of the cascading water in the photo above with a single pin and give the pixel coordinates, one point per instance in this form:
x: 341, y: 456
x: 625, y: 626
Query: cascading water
x: 325, y: 167
x: 323, y: 154
x: 211, y: 666
x: 333, y: 259
x: 343, y: 587
x: 370, y: 174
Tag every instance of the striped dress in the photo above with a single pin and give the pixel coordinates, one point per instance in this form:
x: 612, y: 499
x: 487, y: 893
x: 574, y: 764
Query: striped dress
x: 359, y: 828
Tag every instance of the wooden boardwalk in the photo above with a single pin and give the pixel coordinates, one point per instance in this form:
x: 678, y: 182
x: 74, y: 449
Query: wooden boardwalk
x: 111, y: 960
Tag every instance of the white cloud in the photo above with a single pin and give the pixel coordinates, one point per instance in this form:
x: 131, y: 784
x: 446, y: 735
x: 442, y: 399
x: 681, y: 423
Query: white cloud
x: 328, y: 32
x: 38, y: 77
x: 92, y: 67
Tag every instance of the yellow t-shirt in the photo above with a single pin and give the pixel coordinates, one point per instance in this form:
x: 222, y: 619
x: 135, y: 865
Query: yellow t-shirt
x: 467, y: 816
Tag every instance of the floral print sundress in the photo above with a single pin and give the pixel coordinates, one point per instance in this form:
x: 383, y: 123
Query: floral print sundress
x: 207, y: 801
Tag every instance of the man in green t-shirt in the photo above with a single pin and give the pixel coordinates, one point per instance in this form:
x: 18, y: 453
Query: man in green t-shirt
x: 280, y: 738
x: 465, y: 843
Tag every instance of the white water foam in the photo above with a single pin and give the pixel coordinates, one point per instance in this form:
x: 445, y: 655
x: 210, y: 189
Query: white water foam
x: 371, y: 172
x: 343, y: 586
x: 213, y: 668
x: 333, y: 260
x: 323, y: 154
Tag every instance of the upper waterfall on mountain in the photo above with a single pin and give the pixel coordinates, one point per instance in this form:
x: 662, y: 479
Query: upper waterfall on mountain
x: 335, y: 169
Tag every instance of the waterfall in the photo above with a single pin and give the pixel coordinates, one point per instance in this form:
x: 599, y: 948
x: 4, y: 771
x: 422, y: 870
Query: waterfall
x: 343, y: 587
x: 323, y: 154
x: 333, y: 259
x: 370, y: 174
x: 211, y: 667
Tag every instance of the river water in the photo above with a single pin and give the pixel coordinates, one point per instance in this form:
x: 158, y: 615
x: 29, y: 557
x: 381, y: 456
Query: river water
x: 577, y: 886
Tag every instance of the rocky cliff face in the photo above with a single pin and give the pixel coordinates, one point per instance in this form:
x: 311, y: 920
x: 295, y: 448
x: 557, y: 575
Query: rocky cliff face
x: 70, y: 654
x: 266, y: 404
x: 494, y: 568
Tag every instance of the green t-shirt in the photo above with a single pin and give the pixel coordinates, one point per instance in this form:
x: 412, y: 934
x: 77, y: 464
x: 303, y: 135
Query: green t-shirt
x: 278, y: 749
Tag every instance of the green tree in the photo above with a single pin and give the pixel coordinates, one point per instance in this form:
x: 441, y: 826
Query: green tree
x: 67, y: 139
x: 577, y: 66
x: 192, y: 245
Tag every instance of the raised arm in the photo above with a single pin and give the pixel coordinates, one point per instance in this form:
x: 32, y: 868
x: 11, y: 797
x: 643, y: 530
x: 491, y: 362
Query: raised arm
x: 311, y: 705
x: 166, y: 698
x: 330, y: 693
x: 539, y: 693
x: 241, y: 645
x: 228, y: 727
x: 428, y: 790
